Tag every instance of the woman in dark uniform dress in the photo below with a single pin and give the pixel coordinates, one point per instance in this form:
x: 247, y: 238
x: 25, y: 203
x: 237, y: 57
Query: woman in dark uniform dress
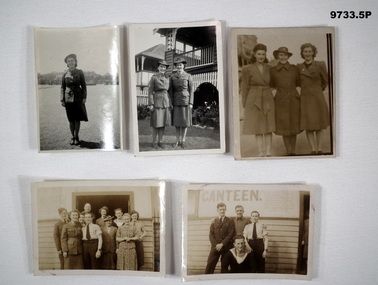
x: 141, y: 234
x: 258, y: 100
x: 73, y: 96
x: 285, y: 78
x: 181, y: 92
x: 109, y: 247
x: 314, y: 109
x: 160, y: 104
x: 72, y: 245
x: 126, y: 237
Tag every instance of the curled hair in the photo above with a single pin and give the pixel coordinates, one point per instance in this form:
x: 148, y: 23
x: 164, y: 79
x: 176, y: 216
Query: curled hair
x: 255, y: 49
x: 221, y: 204
x: 73, y: 211
x: 103, y: 208
x: 134, y: 212
x: 308, y: 45
x: 118, y: 209
x: 255, y: 212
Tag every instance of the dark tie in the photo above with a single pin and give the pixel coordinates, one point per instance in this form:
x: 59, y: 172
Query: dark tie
x: 254, y: 233
x: 88, y: 233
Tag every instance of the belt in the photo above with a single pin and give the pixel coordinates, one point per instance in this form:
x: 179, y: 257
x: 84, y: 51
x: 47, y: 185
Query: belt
x: 89, y: 241
x: 256, y: 239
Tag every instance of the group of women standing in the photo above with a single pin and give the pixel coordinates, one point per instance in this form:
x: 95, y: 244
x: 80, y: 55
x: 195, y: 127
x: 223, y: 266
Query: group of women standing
x: 288, y: 112
x: 170, y: 102
x: 122, y: 245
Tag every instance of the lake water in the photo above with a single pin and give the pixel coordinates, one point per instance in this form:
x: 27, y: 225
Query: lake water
x: 102, y: 131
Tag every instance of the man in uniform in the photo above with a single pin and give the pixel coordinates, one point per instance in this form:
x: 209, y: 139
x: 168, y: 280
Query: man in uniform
x: 58, y: 234
x: 221, y: 232
x: 240, y: 221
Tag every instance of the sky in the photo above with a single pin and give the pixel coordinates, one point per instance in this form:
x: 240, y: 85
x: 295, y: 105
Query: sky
x: 97, y: 49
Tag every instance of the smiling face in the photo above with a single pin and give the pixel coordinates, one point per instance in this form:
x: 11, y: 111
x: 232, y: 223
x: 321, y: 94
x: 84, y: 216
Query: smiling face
x: 162, y: 68
x: 118, y: 214
x: 255, y: 217
x: 134, y: 217
x: 126, y: 218
x: 308, y: 54
x: 260, y: 56
x: 221, y: 211
x: 87, y: 207
x: 63, y: 215
x: 180, y: 67
x: 283, y: 57
x: 71, y: 63
x: 81, y: 219
x: 88, y: 218
x: 239, y: 245
x: 74, y: 216
x: 103, y: 213
x: 108, y: 223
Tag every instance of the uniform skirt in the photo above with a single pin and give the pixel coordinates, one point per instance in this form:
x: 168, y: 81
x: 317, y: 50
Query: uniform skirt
x: 161, y: 117
x: 182, y: 116
x: 76, y: 111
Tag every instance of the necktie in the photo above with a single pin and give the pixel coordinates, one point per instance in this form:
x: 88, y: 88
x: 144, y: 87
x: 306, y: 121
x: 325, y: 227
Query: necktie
x: 88, y: 233
x: 254, y: 233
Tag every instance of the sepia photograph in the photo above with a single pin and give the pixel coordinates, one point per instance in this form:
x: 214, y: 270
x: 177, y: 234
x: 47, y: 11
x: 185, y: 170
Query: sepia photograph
x: 283, y: 92
x: 248, y: 231
x: 78, y: 88
x: 108, y: 227
x: 177, y: 88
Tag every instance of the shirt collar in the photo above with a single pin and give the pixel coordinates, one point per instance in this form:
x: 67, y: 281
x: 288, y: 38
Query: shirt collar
x: 280, y: 65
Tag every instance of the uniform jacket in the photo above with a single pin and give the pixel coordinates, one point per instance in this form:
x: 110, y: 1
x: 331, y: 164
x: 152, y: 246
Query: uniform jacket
x: 315, y: 77
x: 58, y: 234
x: 73, y: 80
x: 221, y: 232
x: 181, y: 89
x: 109, y: 240
x: 158, y: 91
x: 72, y: 239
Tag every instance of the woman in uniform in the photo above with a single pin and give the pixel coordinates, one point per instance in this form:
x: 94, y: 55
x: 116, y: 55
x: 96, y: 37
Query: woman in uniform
x: 72, y: 245
x: 73, y: 96
x: 159, y: 104
x: 314, y: 109
x: 181, y: 92
x: 258, y: 101
x: 284, y: 77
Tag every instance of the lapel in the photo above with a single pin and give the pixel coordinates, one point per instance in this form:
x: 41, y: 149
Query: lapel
x: 262, y: 75
x: 304, y: 71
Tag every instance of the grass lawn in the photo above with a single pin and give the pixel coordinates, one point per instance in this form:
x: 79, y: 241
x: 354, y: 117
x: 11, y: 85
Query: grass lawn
x: 196, y: 138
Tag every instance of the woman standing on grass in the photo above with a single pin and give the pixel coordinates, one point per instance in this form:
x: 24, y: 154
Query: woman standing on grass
x: 73, y: 97
x: 181, y: 92
x: 258, y: 101
x: 159, y: 104
x: 285, y: 78
x: 314, y: 109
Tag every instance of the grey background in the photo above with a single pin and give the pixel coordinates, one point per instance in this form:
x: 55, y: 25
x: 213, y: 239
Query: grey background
x: 346, y: 224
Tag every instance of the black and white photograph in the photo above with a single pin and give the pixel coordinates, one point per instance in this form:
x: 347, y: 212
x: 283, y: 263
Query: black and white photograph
x: 248, y: 231
x: 108, y: 227
x: 283, y: 90
x: 78, y: 84
x: 177, y: 88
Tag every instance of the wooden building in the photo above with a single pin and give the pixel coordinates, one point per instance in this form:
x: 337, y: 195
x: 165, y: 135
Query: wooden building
x: 143, y: 199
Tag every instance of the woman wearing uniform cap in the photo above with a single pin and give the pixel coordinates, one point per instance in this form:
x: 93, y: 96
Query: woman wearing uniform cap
x: 160, y: 104
x: 73, y: 96
x: 285, y: 78
x: 181, y: 92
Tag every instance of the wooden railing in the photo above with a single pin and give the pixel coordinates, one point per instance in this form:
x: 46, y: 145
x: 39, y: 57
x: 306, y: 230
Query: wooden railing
x: 142, y: 97
x: 197, y: 57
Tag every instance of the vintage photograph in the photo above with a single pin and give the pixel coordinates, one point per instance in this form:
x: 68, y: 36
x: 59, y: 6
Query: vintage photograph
x: 283, y: 91
x: 177, y: 88
x: 254, y: 231
x: 78, y: 88
x: 109, y: 227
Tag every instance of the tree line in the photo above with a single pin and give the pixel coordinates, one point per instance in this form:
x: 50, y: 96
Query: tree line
x: 91, y: 78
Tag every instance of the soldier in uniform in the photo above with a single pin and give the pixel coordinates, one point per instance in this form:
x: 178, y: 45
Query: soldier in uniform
x: 221, y: 232
x: 256, y: 237
x: 58, y: 234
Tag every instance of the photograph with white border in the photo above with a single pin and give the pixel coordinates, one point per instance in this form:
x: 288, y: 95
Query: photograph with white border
x: 177, y: 89
x: 248, y: 231
x: 79, y: 88
x: 103, y: 227
x: 283, y: 92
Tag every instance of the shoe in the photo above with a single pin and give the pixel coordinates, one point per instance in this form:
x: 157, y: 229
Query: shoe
x: 160, y: 145
x: 155, y: 145
x: 183, y: 145
x: 313, y: 152
x: 72, y: 142
x: 320, y: 152
x: 176, y: 144
x: 77, y: 141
